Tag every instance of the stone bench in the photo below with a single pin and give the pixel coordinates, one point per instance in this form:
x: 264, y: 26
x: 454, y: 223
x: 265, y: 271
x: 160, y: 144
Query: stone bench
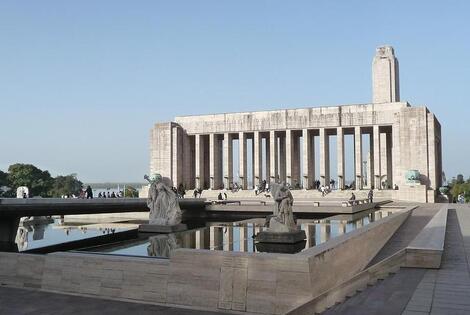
x: 426, y: 250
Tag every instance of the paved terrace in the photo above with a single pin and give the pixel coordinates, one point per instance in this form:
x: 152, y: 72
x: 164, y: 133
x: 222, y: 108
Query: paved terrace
x: 418, y: 291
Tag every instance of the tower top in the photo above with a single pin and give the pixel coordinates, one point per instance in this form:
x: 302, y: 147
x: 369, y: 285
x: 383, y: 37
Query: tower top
x: 385, y: 76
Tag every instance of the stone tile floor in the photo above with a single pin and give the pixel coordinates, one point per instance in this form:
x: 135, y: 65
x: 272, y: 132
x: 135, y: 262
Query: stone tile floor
x: 15, y: 301
x: 418, y: 291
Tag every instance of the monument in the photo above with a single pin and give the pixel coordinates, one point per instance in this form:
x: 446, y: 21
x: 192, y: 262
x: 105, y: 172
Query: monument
x: 165, y: 212
x: 282, y: 228
x: 198, y: 151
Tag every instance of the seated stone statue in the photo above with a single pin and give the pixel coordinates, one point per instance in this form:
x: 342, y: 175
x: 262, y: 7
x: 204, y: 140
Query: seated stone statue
x: 282, y: 219
x: 162, y: 202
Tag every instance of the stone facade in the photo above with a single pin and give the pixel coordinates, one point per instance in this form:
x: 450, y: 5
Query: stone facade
x: 197, y: 151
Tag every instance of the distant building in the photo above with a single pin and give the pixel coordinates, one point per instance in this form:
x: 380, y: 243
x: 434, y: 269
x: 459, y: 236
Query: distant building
x: 198, y: 150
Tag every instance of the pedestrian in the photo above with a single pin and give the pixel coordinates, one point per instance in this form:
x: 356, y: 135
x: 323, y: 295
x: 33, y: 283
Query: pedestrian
x: 89, y: 192
x: 108, y: 195
x: 352, y: 200
x: 219, y: 197
x: 181, y: 190
x: 370, y: 195
x: 99, y: 195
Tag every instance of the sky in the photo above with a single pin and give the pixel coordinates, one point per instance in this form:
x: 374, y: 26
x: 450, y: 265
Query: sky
x: 82, y: 82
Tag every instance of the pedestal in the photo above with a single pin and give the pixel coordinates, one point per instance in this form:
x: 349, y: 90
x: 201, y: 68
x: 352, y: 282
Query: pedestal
x: 281, y: 237
x: 154, y: 228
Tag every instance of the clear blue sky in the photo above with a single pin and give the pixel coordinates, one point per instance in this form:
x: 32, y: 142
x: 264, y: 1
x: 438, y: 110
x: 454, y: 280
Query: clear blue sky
x: 82, y: 82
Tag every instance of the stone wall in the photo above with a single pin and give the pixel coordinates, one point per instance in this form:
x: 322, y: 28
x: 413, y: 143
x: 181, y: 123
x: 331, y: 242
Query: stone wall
x: 255, y: 283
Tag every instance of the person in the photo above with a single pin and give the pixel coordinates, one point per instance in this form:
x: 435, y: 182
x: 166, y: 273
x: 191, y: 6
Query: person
x: 225, y: 195
x: 352, y: 200
x: 113, y: 195
x: 219, y: 197
x: 257, y: 190
x: 104, y: 194
x: 195, y: 192
x: 89, y: 192
x: 322, y: 189
x: 25, y: 195
x: 396, y: 187
x: 181, y: 190
x: 108, y: 195
x: 370, y: 195
x: 99, y: 195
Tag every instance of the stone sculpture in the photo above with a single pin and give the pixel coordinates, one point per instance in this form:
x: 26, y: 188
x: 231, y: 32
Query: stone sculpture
x: 283, y: 218
x: 282, y: 228
x: 162, y: 202
x: 412, y: 177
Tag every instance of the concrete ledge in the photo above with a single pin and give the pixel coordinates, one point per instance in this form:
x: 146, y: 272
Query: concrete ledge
x: 426, y: 250
x: 348, y: 288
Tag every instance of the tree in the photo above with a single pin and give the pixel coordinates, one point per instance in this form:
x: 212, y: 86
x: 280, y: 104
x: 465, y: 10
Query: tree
x: 3, y: 183
x: 66, y: 185
x: 131, y: 192
x: 39, y: 182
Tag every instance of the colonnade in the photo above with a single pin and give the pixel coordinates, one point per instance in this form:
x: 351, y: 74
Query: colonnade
x: 281, y: 155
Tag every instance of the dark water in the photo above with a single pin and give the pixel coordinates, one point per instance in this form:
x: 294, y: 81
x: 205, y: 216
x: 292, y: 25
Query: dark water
x: 238, y: 236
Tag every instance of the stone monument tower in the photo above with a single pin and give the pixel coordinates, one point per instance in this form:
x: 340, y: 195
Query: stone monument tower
x: 385, y: 78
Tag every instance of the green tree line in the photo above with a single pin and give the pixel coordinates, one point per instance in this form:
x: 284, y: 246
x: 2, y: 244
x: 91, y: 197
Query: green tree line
x: 458, y: 186
x: 39, y: 182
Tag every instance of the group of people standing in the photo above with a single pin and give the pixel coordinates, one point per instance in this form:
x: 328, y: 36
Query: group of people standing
x: 120, y: 194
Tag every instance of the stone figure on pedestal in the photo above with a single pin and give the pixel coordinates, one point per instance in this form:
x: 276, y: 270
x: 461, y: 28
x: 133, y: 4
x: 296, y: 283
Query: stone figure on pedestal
x: 165, y: 212
x: 163, y: 203
x: 283, y: 218
x: 282, y: 228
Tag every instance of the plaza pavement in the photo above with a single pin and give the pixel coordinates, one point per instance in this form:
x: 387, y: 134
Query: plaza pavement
x: 410, y: 291
x: 418, y: 291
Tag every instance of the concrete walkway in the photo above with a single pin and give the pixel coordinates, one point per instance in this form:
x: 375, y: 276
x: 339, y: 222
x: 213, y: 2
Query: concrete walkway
x: 419, y: 291
x: 34, y: 302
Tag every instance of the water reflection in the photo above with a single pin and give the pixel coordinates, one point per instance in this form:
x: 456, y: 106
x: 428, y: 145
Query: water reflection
x: 37, y: 232
x: 161, y: 245
x: 238, y: 236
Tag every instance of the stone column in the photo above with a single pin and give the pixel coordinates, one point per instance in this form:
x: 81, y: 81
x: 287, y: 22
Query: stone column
x: 340, y: 157
x: 295, y: 159
x: 199, y: 234
x: 392, y: 155
x: 324, y: 158
x: 257, y: 153
x: 228, y: 161
x: 288, y: 155
x: 377, y: 166
x: 214, y: 161
x: 200, y: 162
x: 243, y: 241
x: 273, y: 159
x: 242, y: 158
x: 268, y: 159
x: 282, y: 158
x: 228, y: 239
x: 308, y: 159
x: 358, y: 156
x: 383, y: 159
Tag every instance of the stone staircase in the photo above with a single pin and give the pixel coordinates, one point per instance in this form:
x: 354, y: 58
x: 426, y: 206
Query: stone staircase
x: 297, y: 194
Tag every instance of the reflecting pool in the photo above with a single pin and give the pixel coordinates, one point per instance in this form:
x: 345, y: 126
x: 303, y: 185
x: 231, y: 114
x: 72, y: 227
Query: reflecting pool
x: 238, y: 236
x: 44, y: 231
